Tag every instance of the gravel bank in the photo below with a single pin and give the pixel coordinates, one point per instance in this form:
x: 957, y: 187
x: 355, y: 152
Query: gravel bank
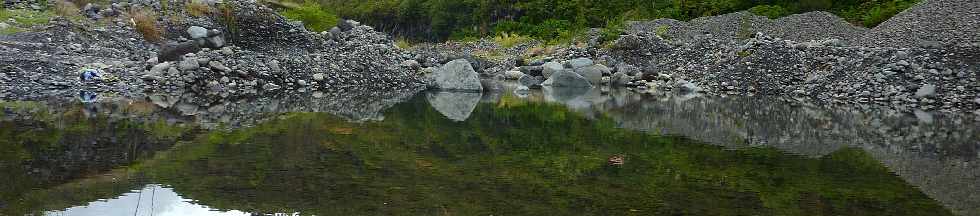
x: 262, y: 54
x: 930, y: 24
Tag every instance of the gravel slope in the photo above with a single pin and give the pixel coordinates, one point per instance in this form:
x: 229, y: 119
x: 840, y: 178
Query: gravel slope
x: 931, y: 23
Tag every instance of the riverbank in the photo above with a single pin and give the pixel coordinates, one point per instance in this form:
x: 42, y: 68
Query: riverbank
x: 924, y: 59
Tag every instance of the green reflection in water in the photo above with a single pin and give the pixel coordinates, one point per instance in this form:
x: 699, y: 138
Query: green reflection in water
x: 54, y: 159
x: 515, y: 159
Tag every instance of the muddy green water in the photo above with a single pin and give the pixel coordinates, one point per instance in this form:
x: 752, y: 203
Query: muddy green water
x: 547, y: 153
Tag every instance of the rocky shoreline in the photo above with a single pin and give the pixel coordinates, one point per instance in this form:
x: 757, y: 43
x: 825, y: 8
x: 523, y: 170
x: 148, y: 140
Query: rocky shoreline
x: 924, y: 59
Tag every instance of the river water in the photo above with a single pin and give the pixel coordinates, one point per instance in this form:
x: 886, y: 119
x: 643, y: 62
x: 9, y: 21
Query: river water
x: 551, y: 151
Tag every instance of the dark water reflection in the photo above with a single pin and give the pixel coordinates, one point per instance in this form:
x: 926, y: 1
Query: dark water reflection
x: 449, y: 153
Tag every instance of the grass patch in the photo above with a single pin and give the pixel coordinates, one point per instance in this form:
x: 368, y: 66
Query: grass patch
x: 662, y: 31
x: 403, y: 43
x: 227, y: 14
x: 146, y: 24
x: 197, y: 8
x: 313, y: 16
x: 23, y: 19
x: 508, y: 40
x: 67, y: 9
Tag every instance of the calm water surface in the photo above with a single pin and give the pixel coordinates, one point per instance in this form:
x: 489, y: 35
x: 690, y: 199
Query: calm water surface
x: 551, y: 152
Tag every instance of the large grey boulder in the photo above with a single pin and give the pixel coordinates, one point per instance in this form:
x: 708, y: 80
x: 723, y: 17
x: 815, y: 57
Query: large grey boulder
x: 455, y: 75
x: 593, y: 73
x: 457, y: 106
x: 579, y: 63
x: 551, y: 68
x: 567, y: 78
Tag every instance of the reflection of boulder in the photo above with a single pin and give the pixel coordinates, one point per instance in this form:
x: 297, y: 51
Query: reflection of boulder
x: 164, y: 101
x: 454, y: 105
x: 563, y: 94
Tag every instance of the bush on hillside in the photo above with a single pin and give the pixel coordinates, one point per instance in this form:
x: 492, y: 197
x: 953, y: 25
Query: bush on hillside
x: 314, y: 17
x: 771, y: 11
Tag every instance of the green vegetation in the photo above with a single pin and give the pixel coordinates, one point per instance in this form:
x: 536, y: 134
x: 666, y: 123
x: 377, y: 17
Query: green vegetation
x: 23, y: 19
x: 771, y: 11
x: 558, y: 20
x: 313, y: 16
x: 508, y: 40
x: 548, y: 160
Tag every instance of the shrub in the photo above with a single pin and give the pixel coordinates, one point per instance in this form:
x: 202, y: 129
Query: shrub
x: 509, y: 40
x: 662, y: 31
x: 145, y: 23
x: 197, y: 8
x: 771, y: 11
x: 312, y: 16
x: 402, y: 43
x: 227, y: 15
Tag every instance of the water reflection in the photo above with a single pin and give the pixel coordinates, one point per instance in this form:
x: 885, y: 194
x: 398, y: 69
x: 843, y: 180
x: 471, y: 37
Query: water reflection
x: 152, y: 200
x: 454, y: 105
x: 498, y: 153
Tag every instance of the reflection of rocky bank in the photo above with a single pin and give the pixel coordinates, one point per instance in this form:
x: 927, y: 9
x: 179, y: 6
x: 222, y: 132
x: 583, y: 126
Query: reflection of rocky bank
x: 935, y: 152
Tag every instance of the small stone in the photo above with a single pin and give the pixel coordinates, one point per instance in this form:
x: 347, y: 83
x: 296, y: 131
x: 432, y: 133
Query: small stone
x: 196, y: 32
x: 160, y: 68
x: 270, y: 87
x: 216, y: 65
x: 189, y: 64
x: 513, y: 75
x: 927, y: 90
x: 225, y: 79
x: 318, y: 77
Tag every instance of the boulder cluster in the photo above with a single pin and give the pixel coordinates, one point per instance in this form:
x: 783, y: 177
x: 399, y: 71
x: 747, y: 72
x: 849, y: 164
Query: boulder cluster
x: 814, y: 56
x: 261, y: 54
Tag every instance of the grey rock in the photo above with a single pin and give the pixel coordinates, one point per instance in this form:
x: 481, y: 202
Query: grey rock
x: 927, y: 90
x: 173, y: 52
x: 158, y: 69
x: 530, y: 81
x: 164, y: 101
x: 189, y: 64
x: 215, y: 42
x: 567, y: 78
x: 685, y: 86
x: 218, y: 66
x: 335, y: 32
x: 592, y: 72
x: 411, y: 64
x: 579, y: 63
x: 4, y: 25
x: 619, y: 79
x: 551, y: 68
x: 513, y: 75
x: 318, y: 76
x: 270, y: 86
x: 196, y: 32
x: 456, y: 75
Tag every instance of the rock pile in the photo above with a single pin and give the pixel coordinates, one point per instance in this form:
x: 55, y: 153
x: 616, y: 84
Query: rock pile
x: 930, y: 24
x: 811, y: 26
x: 905, y: 78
